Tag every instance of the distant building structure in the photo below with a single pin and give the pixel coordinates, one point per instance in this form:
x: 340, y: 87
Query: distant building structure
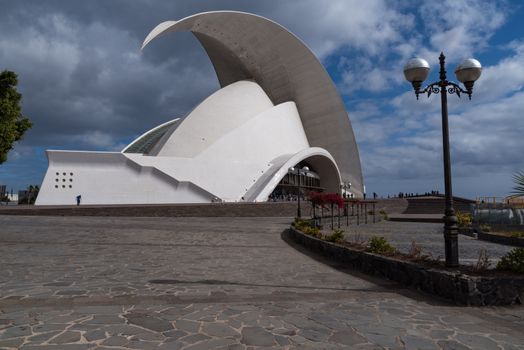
x: 277, y: 108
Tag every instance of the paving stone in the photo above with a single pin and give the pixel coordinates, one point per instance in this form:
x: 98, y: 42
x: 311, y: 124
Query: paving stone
x: 11, y: 343
x: 440, y: 334
x: 452, y: 345
x: 477, y: 342
x: 105, y: 319
x: 219, y: 330
x: 232, y: 347
x: 148, y: 336
x: 188, y: 326
x: 66, y: 337
x: 71, y: 292
x: 194, y: 338
x: 143, y: 345
x: 122, y: 329
x: 313, y: 335
x: 234, y: 323
x: 348, y: 337
x: 210, y: 344
x: 115, y: 341
x: 15, y: 332
x: 94, y: 335
x: 257, y: 336
x: 174, y: 334
x: 57, y: 347
x: 418, y: 343
x: 58, y: 284
x: 99, y: 310
x: 148, y: 322
x: 171, y: 346
x: 281, y: 340
x: 42, y: 337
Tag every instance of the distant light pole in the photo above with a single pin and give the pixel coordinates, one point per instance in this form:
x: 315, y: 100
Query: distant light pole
x: 467, y: 72
x: 292, y: 170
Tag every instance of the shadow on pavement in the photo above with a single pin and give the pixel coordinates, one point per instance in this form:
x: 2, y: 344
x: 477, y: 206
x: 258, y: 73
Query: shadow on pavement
x: 384, y: 284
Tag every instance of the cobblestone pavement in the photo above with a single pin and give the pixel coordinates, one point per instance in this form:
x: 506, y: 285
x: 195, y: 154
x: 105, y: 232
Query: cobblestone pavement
x: 211, y: 283
x: 428, y: 235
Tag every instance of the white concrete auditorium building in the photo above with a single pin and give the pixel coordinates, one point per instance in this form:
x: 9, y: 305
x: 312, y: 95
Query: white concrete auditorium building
x: 277, y: 108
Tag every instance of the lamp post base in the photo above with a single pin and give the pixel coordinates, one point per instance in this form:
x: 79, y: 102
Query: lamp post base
x: 451, y: 241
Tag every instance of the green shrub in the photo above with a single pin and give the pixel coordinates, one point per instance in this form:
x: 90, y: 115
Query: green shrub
x: 485, y: 228
x: 512, y: 261
x: 464, y: 219
x: 379, y: 245
x: 384, y: 214
x: 517, y: 234
x: 312, y: 231
x: 337, y: 236
x: 301, y: 224
x: 307, y: 227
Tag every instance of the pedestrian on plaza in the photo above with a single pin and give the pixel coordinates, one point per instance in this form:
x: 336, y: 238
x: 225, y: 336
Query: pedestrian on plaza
x: 78, y: 199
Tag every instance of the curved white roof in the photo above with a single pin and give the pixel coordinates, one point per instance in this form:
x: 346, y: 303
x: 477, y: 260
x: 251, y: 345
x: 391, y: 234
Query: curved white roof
x: 244, y: 46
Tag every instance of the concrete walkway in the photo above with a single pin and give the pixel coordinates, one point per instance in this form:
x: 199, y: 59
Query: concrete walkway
x: 211, y: 283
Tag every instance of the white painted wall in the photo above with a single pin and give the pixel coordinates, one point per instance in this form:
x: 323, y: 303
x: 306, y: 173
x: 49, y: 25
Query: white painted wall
x: 110, y: 178
x: 223, y: 149
x: 223, y: 111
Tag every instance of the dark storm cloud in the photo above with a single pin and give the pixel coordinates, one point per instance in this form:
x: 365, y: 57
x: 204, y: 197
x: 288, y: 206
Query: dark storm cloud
x: 84, y: 79
x: 81, y: 71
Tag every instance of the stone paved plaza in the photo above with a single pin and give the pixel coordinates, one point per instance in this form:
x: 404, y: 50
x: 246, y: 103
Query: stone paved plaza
x: 211, y: 283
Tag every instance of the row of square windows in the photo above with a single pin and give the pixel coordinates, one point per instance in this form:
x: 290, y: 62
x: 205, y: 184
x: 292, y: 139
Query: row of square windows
x: 57, y: 173
x: 64, y: 180
x: 64, y: 186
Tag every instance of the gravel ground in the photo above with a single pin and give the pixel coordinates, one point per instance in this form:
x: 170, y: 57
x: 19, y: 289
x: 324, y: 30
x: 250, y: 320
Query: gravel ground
x: 428, y: 235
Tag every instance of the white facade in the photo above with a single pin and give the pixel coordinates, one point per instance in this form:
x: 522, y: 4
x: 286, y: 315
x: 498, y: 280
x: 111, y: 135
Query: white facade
x: 235, y: 146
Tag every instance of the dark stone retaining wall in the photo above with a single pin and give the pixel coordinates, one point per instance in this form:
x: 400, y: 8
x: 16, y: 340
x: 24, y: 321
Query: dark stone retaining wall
x: 463, y: 289
x: 513, y: 241
x: 266, y: 209
x: 243, y: 209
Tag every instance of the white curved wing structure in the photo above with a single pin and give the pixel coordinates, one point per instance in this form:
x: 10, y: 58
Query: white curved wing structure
x: 277, y: 108
x: 246, y: 46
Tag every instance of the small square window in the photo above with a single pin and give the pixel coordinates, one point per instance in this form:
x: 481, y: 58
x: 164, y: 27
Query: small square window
x: 63, y: 186
x: 56, y: 180
x: 70, y: 180
x: 71, y: 174
x: 57, y: 173
x: 63, y: 174
x: 70, y: 186
x: 56, y: 186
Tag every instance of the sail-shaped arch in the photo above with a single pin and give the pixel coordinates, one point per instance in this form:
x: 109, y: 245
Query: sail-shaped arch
x: 243, y: 46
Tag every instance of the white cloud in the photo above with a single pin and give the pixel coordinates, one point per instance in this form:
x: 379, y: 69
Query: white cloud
x: 368, y: 26
x: 461, y: 28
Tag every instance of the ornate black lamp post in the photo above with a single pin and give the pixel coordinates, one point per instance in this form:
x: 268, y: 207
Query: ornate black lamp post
x: 469, y: 70
x: 305, y: 170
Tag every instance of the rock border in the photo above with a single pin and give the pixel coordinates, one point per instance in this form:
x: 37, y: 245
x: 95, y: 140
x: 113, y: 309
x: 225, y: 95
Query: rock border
x: 512, y: 241
x: 453, y: 285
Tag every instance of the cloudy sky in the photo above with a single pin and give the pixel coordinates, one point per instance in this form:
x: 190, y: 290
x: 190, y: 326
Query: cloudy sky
x: 86, y: 85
